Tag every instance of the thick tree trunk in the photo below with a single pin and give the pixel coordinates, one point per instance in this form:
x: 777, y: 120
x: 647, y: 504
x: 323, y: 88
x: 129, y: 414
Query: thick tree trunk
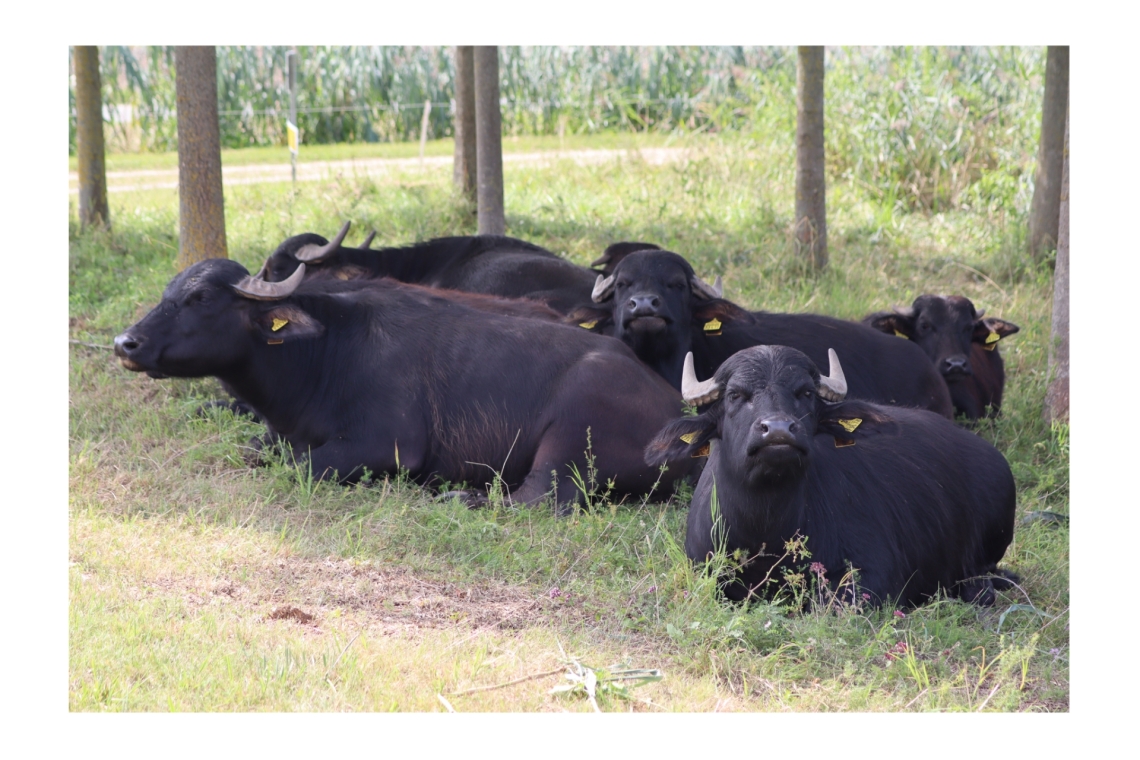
x: 1043, y: 212
x: 488, y: 141
x: 89, y: 138
x: 201, y: 209
x: 811, y: 196
x: 465, y: 175
x: 1057, y: 395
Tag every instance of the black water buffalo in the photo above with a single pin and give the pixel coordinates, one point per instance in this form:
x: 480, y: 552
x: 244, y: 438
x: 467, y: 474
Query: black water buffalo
x: 489, y: 264
x: 961, y: 343
x: 909, y: 500
x: 383, y: 377
x: 656, y: 305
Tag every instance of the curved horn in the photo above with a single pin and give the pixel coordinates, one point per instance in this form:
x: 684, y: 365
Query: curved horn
x: 718, y: 287
x: 313, y: 253
x: 702, y: 289
x: 260, y: 290
x: 979, y: 313
x: 833, y: 386
x: 261, y: 272
x: 603, y: 288
x: 696, y: 392
x: 368, y: 240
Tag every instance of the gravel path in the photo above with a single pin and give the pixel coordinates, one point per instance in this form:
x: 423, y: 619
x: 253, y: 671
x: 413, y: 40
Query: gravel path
x: 311, y: 171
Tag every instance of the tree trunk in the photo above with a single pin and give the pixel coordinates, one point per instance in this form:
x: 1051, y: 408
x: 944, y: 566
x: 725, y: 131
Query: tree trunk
x: 811, y: 197
x: 1057, y: 396
x: 89, y: 138
x: 1043, y: 212
x: 465, y: 175
x: 201, y: 209
x: 488, y: 141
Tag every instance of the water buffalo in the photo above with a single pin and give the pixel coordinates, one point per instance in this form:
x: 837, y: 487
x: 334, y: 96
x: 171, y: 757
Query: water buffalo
x: 961, y: 343
x: 383, y: 377
x: 489, y: 264
x: 656, y: 304
x: 908, y: 499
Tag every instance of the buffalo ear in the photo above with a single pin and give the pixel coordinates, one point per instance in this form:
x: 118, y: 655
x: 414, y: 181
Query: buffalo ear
x: 683, y: 438
x: 287, y: 322
x: 589, y: 318
x: 984, y: 328
x: 892, y: 323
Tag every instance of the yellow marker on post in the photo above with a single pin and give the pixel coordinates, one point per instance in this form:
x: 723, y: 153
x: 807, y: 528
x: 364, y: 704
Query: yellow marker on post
x: 294, y: 138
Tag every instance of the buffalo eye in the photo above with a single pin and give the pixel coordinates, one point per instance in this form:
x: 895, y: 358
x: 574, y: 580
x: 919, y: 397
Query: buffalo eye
x: 804, y: 392
x: 676, y: 285
x: 925, y: 326
x: 197, y: 297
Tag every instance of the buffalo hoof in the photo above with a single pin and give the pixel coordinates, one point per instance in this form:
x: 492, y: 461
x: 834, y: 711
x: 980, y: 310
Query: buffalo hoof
x: 1005, y: 579
x: 979, y: 591
x: 472, y: 499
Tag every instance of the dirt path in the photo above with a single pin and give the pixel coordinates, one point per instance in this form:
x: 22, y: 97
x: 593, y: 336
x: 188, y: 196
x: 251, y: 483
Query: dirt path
x: 164, y: 179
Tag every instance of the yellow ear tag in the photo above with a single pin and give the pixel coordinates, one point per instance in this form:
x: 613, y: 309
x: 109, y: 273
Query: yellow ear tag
x: 279, y: 323
x: 851, y: 424
x: 901, y: 335
x: 712, y: 325
x: 589, y: 325
x: 690, y: 437
x: 993, y: 337
x: 277, y: 342
x: 703, y: 451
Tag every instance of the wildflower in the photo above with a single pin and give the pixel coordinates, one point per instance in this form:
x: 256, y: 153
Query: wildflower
x: 900, y: 614
x: 652, y: 590
x: 866, y: 596
x: 555, y: 592
x: 818, y: 568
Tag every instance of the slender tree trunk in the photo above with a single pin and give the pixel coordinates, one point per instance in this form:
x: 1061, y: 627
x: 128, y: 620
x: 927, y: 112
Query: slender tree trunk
x: 488, y: 141
x: 811, y: 196
x: 89, y: 138
x: 1057, y: 396
x: 465, y: 175
x: 1043, y: 234
x: 201, y: 209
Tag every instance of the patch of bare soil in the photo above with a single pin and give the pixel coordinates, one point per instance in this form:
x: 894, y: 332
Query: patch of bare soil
x: 389, y: 597
x: 291, y: 613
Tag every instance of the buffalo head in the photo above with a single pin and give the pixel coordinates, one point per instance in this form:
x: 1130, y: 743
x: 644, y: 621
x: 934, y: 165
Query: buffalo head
x: 944, y: 327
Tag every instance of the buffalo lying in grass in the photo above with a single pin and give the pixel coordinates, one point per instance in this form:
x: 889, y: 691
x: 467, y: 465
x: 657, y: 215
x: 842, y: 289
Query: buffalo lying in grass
x: 381, y: 377
x: 656, y: 304
x: 907, y: 499
x: 961, y: 342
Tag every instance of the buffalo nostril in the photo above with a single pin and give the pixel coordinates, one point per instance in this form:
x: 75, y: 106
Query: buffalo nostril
x: 125, y: 344
x: 763, y: 428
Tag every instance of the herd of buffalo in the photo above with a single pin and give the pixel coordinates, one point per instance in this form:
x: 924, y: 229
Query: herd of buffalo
x: 467, y: 360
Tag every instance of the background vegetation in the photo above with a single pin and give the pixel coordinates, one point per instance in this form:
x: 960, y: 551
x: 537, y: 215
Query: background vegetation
x: 197, y: 583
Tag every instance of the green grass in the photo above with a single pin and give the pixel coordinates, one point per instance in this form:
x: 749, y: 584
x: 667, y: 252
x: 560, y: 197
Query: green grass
x: 181, y: 554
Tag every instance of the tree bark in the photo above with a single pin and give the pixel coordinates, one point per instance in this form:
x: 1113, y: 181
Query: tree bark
x: 811, y: 196
x: 488, y: 141
x: 465, y: 175
x: 1043, y: 214
x: 201, y: 208
x: 89, y: 138
x: 1057, y: 395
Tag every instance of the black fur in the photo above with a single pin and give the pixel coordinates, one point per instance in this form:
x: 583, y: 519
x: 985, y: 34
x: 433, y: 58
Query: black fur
x: 382, y: 376
x: 916, y: 504
x: 878, y: 368
x: 490, y: 264
x: 950, y: 332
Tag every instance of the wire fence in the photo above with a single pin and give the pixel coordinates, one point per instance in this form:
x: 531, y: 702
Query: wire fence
x: 925, y: 127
